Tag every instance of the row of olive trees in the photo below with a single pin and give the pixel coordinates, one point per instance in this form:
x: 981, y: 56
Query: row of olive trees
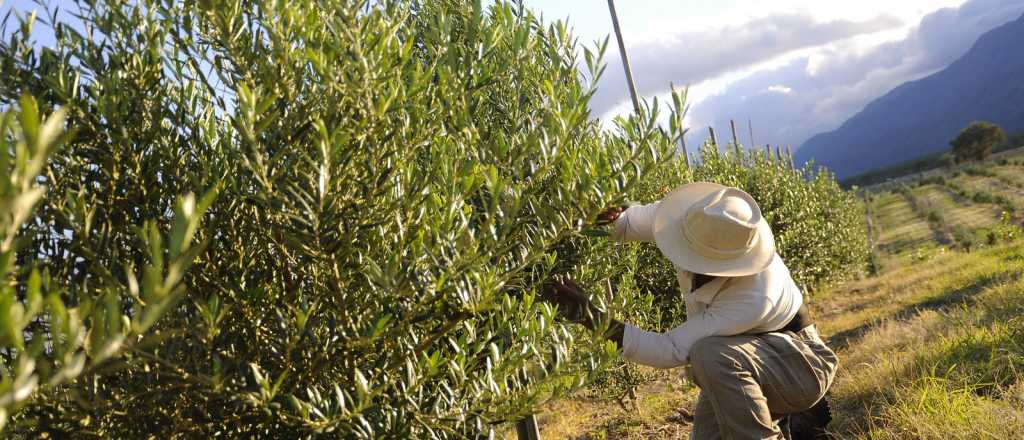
x: 394, y: 184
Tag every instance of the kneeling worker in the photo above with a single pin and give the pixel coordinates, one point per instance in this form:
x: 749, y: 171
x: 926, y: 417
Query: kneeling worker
x: 747, y: 338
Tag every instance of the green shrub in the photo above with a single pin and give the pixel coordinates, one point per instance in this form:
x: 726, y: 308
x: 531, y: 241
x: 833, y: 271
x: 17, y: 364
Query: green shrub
x: 948, y: 160
x: 981, y: 197
x: 1007, y: 230
x: 978, y: 170
x: 965, y: 239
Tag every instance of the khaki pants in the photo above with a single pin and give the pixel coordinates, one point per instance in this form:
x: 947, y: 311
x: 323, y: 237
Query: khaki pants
x: 748, y: 382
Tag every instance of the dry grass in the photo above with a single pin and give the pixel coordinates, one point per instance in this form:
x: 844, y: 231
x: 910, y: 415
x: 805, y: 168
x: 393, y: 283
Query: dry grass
x: 958, y: 214
x: 899, y: 228
x: 994, y: 185
x: 946, y: 365
x: 659, y: 412
x: 1012, y: 175
x: 930, y: 278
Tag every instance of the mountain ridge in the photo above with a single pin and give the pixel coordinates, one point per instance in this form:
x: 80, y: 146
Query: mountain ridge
x: 921, y: 116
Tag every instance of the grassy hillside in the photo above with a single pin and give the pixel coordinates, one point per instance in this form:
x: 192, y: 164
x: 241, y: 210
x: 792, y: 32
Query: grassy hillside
x: 932, y: 347
x: 898, y: 226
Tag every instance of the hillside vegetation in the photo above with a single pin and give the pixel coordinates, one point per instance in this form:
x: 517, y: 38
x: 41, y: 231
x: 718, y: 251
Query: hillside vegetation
x: 931, y: 348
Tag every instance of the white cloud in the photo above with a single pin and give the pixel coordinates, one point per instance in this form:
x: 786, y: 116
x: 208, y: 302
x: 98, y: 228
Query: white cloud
x: 709, y: 58
x: 778, y: 88
x: 832, y: 82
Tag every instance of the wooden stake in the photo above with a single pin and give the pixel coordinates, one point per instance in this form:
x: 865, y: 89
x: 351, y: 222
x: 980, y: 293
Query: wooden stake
x: 750, y: 127
x: 735, y: 140
x: 625, y: 58
x: 714, y: 140
x: 732, y: 126
x: 527, y: 428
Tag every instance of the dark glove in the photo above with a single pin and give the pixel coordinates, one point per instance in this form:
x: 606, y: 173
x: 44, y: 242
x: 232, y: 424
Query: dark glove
x: 574, y: 305
x: 572, y: 302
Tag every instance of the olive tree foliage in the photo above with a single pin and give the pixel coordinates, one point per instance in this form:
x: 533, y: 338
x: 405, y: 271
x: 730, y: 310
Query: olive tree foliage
x: 58, y: 322
x: 395, y: 182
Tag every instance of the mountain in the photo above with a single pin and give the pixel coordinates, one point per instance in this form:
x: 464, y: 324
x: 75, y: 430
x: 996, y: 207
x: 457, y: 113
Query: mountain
x: 921, y: 117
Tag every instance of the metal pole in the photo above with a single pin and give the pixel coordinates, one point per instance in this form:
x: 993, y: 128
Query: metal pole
x: 625, y: 58
x: 527, y: 428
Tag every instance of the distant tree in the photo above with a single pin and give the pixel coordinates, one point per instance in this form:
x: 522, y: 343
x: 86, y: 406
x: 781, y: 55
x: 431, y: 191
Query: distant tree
x: 977, y: 140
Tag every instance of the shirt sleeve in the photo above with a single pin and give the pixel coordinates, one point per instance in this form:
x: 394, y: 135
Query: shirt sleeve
x: 635, y: 223
x: 729, y: 315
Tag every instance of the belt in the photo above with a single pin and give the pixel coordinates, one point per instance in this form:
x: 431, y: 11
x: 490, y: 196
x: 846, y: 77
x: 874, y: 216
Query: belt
x: 801, y: 320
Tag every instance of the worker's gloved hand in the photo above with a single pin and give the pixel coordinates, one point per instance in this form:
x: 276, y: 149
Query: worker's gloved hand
x: 572, y: 302
x: 610, y: 215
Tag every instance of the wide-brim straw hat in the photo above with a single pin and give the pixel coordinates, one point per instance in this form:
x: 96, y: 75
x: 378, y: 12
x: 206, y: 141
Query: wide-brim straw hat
x: 711, y: 229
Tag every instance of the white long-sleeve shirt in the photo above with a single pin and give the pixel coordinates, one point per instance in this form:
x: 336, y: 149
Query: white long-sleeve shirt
x: 725, y: 306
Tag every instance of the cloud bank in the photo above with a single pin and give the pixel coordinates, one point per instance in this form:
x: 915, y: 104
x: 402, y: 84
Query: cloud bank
x: 692, y: 57
x: 832, y: 77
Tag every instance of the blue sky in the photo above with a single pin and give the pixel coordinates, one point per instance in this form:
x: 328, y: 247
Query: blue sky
x: 793, y: 67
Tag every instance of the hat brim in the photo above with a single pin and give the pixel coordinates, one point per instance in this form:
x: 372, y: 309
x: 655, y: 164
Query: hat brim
x: 668, y: 235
